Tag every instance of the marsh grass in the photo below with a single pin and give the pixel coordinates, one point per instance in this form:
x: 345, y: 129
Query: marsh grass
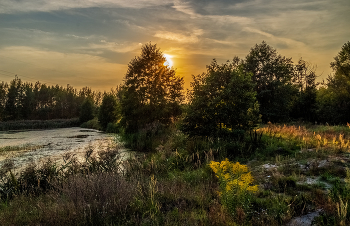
x: 38, y: 124
x: 5, y: 150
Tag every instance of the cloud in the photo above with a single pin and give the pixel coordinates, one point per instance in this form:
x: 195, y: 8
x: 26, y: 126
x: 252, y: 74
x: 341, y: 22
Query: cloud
x: 115, y: 46
x: 10, y: 6
x: 193, y: 38
x: 290, y: 42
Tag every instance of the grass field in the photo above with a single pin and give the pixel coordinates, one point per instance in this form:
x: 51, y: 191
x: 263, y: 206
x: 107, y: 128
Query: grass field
x: 286, y: 172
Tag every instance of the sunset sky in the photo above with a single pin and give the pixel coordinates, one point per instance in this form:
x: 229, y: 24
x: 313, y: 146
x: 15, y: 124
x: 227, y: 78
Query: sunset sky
x: 90, y: 42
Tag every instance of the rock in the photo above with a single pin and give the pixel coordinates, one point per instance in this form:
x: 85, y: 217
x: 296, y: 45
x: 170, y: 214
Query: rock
x: 304, y: 220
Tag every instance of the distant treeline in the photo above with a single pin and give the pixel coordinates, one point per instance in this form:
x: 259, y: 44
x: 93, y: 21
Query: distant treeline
x: 283, y: 90
x: 27, y: 101
x: 38, y: 124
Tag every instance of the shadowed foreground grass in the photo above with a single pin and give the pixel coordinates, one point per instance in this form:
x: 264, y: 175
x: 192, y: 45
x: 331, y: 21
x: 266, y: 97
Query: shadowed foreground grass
x: 174, y: 185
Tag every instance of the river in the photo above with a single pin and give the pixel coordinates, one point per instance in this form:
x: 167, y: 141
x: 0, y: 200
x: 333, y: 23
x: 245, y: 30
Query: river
x: 24, y: 147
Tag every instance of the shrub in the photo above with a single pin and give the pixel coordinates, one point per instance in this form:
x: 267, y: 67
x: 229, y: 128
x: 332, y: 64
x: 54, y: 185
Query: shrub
x: 235, y: 183
x: 92, y: 124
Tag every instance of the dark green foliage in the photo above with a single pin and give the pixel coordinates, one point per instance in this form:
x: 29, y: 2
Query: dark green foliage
x: 272, y: 77
x: 38, y: 124
x: 12, y: 106
x: 86, y: 111
x: 109, y: 110
x: 304, y: 105
x: 341, y: 63
x: 151, y: 92
x: 3, y: 91
x: 112, y: 128
x: 334, y: 98
x: 222, y: 102
x: 25, y: 101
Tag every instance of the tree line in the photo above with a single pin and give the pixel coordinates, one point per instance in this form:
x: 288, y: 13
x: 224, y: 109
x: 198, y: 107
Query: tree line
x: 230, y: 97
x: 235, y: 96
x: 27, y: 101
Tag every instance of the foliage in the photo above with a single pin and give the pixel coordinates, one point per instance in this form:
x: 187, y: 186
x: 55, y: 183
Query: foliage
x: 86, y: 110
x: 334, y: 98
x: 304, y: 105
x: 341, y: 63
x: 235, y: 183
x: 222, y: 102
x: 272, y: 76
x: 27, y: 101
x: 151, y: 91
x: 38, y: 124
x: 109, y: 111
x: 92, y: 124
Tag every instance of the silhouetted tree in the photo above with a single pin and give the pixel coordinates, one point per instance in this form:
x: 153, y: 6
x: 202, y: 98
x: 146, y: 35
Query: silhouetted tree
x: 86, y: 110
x: 222, y: 102
x: 272, y: 75
x: 12, y: 105
x: 334, y: 99
x: 304, y: 104
x: 109, y: 110
x: 3, y: 97
x: 151, y: 92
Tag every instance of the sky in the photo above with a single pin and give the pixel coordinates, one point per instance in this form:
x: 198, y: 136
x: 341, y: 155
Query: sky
x: 90, y: 42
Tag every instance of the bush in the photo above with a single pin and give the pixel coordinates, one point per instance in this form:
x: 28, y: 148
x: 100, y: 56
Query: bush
x: 112, y: 128
x: 235, y: 184
x: 92, y: 124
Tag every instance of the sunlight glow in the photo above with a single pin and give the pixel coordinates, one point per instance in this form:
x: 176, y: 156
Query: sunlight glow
x: 168, y: 61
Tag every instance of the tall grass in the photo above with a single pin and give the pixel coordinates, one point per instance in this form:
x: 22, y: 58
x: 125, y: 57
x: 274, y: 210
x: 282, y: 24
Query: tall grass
x: 172, y: 184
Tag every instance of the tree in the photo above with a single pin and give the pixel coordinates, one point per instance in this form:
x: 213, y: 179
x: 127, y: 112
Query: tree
x: 12, y: 106
x: 304, y: 104
x: 334, y: 100
x: 109, y: 111
x: 341, y: 63
x: 86, y: 110
x: 272, y: 76
x: 3, y: 96
x: 222, y: 102
x: 151, y: 91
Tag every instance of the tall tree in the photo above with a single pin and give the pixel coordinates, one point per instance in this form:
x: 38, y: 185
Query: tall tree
x: 222, y: 102
x: 87, y: 110
x: 334, y: 100
x: 109, y: 111
x: 272, y: 76
x: 151, y: 91
x: 12, y: 105
x: 3, y: 96
x: 304, y: 104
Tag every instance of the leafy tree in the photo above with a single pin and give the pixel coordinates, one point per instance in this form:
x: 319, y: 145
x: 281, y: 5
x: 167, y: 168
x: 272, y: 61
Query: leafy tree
x: 12, y: 105
x: 109, y: 110
x: 3, y: 96
x: 341, y: 63
x: 27, y: 101
x: 151, y: 92
x: 272, y: 75
x: 222, y: 102
x: 86, y: 110
x: 334, y: 99
x: 304, y: 105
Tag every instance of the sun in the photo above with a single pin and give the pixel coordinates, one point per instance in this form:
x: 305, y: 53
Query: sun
x: 168, y: 61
